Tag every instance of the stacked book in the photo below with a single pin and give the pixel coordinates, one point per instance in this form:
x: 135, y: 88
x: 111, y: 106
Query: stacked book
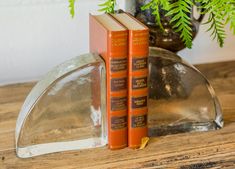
x: 122, y: 41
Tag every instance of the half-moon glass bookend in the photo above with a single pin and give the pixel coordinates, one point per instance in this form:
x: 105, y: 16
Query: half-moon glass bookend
x: 180, y: 98
x: 65, y: 110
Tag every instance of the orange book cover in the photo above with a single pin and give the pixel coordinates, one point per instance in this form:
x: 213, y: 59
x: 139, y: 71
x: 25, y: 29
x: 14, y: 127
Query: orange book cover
x: 137, y: 78
x: 109, y: 38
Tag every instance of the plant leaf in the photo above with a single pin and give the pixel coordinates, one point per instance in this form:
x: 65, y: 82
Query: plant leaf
x: 108, y: 6
x: 179, y: 12
x: 71, y: 7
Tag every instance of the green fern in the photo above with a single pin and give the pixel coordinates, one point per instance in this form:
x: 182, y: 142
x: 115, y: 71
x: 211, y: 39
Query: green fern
x: 155, y: 5
x: 217, y: 28
x: 231, y: 19
x: 108, y: 6
x: 71, y: 7
x: 217, y: 10
x: 179, y: 12
x: 221, y: 13
x: 230, y: 11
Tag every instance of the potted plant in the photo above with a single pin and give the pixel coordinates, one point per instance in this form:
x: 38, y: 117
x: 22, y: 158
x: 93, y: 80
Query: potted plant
x: 175, y: 18
x: 178, y: 14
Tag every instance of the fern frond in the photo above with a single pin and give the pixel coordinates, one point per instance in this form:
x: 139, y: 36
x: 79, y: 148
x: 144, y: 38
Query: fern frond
x: 217, y: 10
x: 155, y: 5
x: 108, y: 6
x: 232, y: 21
x: 71, y: 7
x: 230, y: 11
x: 217, y: 28
x: 179, y: 12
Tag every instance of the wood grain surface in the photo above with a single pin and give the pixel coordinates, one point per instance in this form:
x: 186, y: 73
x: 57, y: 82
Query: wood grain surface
x: 214, y: 149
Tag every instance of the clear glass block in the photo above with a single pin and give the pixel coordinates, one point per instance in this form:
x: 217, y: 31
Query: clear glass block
x: 180, y: 98
x: 66, y: 110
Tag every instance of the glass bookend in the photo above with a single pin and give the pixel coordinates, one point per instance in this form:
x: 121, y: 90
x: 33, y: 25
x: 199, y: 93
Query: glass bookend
x: 65, y: 110
x: 180, y: 98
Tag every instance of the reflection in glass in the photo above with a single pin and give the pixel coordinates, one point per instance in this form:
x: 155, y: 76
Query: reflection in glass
x: 65, y: 110
x: 180, y: 98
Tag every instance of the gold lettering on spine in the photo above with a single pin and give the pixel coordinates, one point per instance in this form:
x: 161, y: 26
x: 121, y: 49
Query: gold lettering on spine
x: 140, y: 38
x: 138, y: 83
x: 118, y: 103
x: 139, y: 121
x: 118, y: 122
x: 119, y: 40
x: 118, y: 64
x: 139, y: 102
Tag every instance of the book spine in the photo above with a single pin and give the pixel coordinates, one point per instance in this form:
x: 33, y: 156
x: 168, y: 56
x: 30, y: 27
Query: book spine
x: 137, y: 87
x: 117, y: 89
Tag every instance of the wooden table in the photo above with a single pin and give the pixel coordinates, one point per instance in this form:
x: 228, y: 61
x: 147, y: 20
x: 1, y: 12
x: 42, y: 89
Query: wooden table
x: 215, y: 149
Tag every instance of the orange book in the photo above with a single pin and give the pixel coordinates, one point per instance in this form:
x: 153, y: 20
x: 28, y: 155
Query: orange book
x: 137, y: 78
x: 109, y: 38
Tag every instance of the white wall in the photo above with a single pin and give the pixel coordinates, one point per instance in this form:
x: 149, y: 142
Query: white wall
x: 205, y: 50
x: 36, y: 35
